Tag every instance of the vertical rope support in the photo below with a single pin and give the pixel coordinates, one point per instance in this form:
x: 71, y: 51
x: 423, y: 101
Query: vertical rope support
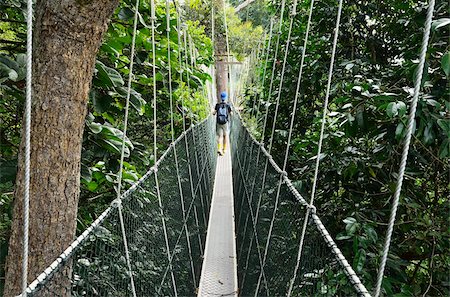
x: 265, y: 65
x: 288, y: 41
x: 122, y: 153
x: 297, y: 94
x: 325, y: 110
x: 286, y: 52
x: 401, y: 172
x: 180, y: 187
x: 155, y: 153
x: 283, y: 2
x: 26, y: 199
x: 277, y: 46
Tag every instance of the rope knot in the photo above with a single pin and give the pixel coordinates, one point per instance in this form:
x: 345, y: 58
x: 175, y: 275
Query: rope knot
x: 116, y: 203
x: 284, y: 173
x: 312, y: 208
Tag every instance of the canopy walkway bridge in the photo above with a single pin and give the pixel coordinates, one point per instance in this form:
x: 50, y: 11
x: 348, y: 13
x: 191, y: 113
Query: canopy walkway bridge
x: 167, y: 236
x: 199, y: 224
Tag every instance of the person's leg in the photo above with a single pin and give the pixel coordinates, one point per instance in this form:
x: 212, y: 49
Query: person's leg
x: 225, y: 137
x: 219, y: 138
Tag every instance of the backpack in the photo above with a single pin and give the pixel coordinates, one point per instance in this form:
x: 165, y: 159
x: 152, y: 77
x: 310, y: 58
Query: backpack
x: 222, y: 114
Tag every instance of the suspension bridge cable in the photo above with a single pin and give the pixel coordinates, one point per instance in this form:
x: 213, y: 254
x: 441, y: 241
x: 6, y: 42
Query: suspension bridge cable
x: 158, y: 192
x: 294, y: 108
x: 180, y: 187
x: 406, y: 144
x: 191, y: 52
x: 283, y: 2
x: 265, y: 66
x: 288, y: 41
x: 122, y: 153
x: 325, y: 111
x: 275, y: 59
x: 26, y: 188
x: 193, y: 192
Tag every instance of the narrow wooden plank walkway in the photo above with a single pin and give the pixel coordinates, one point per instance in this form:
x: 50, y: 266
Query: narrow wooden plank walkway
x: 219, y: 271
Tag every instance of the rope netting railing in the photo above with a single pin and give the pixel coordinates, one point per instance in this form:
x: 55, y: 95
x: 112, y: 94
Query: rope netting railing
x: 322, y: 271
x: 95, y: 264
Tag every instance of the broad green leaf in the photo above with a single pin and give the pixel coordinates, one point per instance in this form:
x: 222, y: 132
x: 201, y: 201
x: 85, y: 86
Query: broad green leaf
x: 396, y: 108
x: 399, y: 131
x: 92, y: 186
x: 445, y: 125
x: 95, y: 127
x: 433, y: 103
x: 125, y: 14
x: 445, y: 63
x: 86, y: 173
x: 13, y: 75
x: 109, y: 76
x: 428, y: 135
x: 342, y: 237
x: 440, y: 23
x: 444, y: 149
x: 401, y: 108
x: 360, y: 260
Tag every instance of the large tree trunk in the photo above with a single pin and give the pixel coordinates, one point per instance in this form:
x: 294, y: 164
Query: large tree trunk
x: 67, y: 36
x: 220, y: 52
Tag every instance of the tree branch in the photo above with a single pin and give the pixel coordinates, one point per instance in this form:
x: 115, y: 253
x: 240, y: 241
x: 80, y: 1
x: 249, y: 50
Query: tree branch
x: 430, y: 268
x: 243, y: 5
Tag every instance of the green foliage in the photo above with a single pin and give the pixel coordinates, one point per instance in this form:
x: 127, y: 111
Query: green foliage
x: 103, y: 135
x: 371, y: 90
x: 243, y: 36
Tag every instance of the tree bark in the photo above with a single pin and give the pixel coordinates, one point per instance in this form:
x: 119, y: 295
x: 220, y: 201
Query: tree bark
x: 67, y: 36
x: 220, y: 52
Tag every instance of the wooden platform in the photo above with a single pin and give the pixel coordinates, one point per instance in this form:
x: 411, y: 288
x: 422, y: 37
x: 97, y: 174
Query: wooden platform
x: 219, y: 271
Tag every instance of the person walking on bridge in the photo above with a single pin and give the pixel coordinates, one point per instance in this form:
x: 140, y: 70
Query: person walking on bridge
x: 222, y: 111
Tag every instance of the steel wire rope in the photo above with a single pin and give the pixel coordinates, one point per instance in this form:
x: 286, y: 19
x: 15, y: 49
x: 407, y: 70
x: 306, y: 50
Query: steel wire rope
x: 254, y: 219
x: 248, y: 157
x: 180, y: 188
x: 206, y: 183
x: 155, y: 153
x: 294, y: 108
x: 265, y: 65
x: 288, y: 41
x: 179, y: 29
x: 50, y: 271
x: 267, y: 55
x: 191, y: 205
x: 193, y: 59
x: 188, y: 79
x: 228, y: 54
x: 409, y: 131
x: 252, y: 143
x: 325, y: 111
x: 122, y: 152
x: 283, y: 3
x: 26, y: 188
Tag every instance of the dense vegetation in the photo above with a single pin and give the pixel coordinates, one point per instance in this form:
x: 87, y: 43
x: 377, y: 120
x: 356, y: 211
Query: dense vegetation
x: 102, y: 136
x: 104, y: 122
x: 372, y: 85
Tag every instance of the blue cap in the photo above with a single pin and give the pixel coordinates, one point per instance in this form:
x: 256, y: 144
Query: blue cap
x: 223, y: 96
